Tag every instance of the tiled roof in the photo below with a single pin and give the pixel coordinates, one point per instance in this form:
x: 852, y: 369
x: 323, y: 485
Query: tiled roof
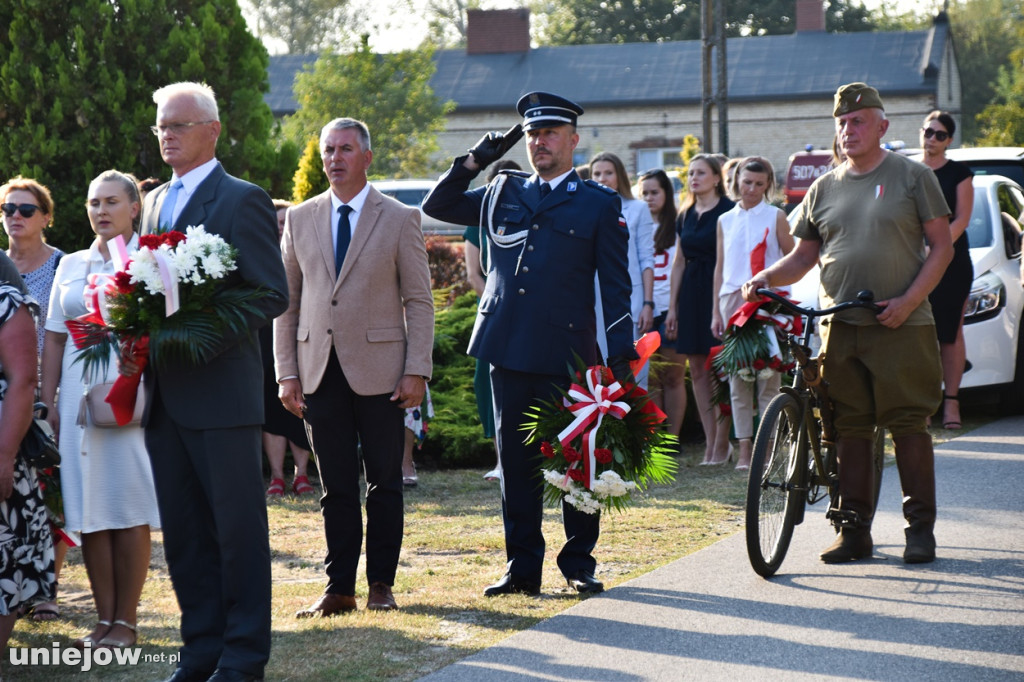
x: 766, y: 68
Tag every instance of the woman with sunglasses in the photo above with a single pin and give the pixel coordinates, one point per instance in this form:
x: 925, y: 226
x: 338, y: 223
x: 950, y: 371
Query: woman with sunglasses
x: 27, y: 211
x: 949, y: 298
x: 105, y: 474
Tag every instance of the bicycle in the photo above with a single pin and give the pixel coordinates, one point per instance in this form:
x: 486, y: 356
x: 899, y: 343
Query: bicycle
x: 794, y: 460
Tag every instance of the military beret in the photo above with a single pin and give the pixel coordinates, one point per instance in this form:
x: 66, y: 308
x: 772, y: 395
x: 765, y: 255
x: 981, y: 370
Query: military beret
x: 544, y: 110
x: 854, y: 97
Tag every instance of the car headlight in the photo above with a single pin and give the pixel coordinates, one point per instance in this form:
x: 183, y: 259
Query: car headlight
x: 987, y: 297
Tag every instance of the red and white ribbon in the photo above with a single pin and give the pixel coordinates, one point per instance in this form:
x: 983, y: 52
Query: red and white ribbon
x: 169, y: 276
x: 593, y: 402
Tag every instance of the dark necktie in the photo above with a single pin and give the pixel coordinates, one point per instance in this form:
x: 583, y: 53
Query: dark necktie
x: 545, y: 189
x: 344, y: 238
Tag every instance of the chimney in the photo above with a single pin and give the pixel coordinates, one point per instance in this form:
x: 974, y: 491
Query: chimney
x: 497, y: 31
x: 810, y: 16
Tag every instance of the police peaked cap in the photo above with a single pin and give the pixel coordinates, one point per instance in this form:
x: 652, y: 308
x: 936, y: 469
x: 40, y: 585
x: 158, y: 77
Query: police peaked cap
x: 544, y: 110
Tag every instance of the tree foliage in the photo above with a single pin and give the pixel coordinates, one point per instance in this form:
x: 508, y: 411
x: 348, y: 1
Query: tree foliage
x: 301, y: 26
x: 984, y: 34
x: 1002, y: 121
x: 390, y: 93
x: 310, y: 178
x: 579, y: 22
x: 76, y: 93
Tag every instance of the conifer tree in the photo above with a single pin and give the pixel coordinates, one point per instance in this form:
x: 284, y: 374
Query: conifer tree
x: 76, y: 91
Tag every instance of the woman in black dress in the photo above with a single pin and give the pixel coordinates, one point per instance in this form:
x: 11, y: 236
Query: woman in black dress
x: 688, y: 321
x: 949, y: 299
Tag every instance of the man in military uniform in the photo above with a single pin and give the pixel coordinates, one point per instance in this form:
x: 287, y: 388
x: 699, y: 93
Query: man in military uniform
x: 867, y: 222
x: 546, y: 235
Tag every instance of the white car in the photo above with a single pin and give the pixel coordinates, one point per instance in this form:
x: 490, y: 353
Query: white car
x: 995, y: 346
x: 412, y: 193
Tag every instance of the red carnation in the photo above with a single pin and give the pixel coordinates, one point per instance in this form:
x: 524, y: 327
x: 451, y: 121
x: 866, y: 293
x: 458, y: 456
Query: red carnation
x: 547, y: 450
x: 173, y: 238
x: 725, y: 409
x: 603, y: 455
x: 150, y: 241
x: 123, y: 282
x: 760, y: 364
x: 577, y: 475
x: 571, y: 454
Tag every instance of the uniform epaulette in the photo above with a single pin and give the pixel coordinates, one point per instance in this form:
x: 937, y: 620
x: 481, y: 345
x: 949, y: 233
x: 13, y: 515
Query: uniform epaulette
x: 598, y: 185
x: 516, y: 173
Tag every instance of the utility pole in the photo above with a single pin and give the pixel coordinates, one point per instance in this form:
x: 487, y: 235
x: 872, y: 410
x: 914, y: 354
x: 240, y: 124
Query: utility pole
x: 714, y: 97
x: 706, y: 48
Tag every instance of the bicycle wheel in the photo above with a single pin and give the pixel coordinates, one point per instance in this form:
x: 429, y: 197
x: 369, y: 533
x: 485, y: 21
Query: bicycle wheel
x: 772, y: 503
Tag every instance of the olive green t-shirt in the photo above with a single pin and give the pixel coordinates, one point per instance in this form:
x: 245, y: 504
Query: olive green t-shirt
x: 871, y: 231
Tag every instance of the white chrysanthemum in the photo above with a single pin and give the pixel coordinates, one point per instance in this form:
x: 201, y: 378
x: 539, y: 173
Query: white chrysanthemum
x: 746, y: 374
x: 765, y: 373
x: 143, y: 270
x: 610, y: 484
x: 557, y: 479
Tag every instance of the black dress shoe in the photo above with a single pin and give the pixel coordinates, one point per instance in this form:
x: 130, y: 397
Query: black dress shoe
x: 183, y: 674
x: 229, y: 675
x: 584, y: 582
x: 511, y: 585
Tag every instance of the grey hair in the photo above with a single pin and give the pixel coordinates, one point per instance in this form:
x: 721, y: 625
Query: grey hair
x: 344, y: 123
x: 201, y: 94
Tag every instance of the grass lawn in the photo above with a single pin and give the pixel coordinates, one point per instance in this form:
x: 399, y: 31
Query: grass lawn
x: 453, y: 548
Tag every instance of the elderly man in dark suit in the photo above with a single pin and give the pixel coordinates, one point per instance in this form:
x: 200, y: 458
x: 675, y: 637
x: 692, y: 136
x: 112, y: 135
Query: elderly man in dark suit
x: 547, y: 235
x: 351, y: 352
x: 203, y: 421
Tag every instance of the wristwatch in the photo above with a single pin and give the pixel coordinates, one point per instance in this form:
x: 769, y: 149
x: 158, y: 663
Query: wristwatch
x: 650, y: 303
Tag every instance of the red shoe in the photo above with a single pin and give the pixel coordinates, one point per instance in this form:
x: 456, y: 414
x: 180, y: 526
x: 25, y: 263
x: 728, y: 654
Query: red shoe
x: 276, y: 487
x: 301, y: 486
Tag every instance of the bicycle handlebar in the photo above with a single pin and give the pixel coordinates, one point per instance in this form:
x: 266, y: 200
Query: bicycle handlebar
x: 865, y: 299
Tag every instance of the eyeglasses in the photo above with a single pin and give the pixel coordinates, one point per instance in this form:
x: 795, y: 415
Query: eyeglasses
x: 176, y: 128
x: 26, y: 210
x: 939, y: 135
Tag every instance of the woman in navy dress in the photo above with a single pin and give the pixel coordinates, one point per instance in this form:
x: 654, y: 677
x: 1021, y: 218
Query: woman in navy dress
x: 690, y: 302
x: 949, y: 298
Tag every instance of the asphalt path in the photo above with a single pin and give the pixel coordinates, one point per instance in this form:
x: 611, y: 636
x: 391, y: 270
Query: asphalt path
x: 708, y: 616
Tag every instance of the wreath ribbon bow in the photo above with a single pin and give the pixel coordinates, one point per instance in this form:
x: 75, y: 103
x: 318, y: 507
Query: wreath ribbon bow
x: 592, y: 403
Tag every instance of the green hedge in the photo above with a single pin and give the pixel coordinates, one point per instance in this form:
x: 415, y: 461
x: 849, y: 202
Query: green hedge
x: 455, y: 437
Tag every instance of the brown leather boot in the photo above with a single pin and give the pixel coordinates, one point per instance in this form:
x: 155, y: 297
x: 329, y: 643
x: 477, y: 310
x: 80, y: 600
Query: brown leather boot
x: 915, y: 460
x: 856, y: 494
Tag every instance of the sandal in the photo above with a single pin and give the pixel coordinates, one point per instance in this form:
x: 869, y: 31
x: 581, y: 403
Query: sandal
x: 493, y: 475
x: 44, y: 613
x: 109, y: 643
x: 302, y: 486
x: 276, y: 487
x: 951, y: 425
x: 81, y: 642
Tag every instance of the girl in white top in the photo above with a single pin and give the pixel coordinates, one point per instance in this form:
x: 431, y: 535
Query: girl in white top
x: 609, y: 170
x: 741, y: 231
x: 656, y: 189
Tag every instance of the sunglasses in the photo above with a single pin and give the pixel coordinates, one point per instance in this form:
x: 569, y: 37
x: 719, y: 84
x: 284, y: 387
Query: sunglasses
x: 939, y: 135
x: 26, y: 210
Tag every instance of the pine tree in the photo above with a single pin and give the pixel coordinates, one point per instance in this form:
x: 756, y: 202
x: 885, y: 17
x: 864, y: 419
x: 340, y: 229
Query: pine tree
x: 76, y: 91
x: 309, y: 179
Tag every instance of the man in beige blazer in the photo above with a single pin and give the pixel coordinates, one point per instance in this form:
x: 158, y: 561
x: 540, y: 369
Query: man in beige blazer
x: 351, y: 352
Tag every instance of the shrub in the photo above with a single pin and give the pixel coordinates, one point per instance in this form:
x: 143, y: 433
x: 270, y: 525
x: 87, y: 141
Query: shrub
x: 456, y: 438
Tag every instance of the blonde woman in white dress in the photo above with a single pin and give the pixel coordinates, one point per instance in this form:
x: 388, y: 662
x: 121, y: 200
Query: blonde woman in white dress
x: 105, y: 472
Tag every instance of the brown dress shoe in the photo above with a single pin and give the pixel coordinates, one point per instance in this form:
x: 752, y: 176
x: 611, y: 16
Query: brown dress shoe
x: 329, y: 605
x: 380, y: 598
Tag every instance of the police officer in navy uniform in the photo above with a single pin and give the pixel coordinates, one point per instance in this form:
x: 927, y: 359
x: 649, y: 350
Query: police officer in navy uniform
x: 546, y: 235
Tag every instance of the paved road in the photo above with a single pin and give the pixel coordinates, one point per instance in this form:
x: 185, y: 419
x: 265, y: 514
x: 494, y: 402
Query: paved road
x: 708, y: 616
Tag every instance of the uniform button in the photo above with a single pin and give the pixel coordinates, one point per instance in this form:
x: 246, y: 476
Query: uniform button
x: 572, y: 231
x: 330, y: 331
x: 334, y: 303
x: 570, y: 325
x: 526, y: 268
x: 536, y: 227
x: 530, y: 247
x: 522, y: 291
